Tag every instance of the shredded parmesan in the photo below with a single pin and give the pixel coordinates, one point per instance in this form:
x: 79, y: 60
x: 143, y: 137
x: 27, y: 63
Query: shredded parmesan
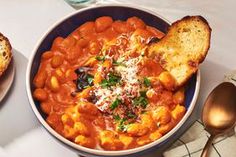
x: 129, y: 86
x: 129, y: 76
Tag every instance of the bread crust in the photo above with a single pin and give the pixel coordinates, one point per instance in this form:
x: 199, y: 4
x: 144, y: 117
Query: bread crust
x: 5, y: 53
x: 180, y: 42
x: 205, y: 22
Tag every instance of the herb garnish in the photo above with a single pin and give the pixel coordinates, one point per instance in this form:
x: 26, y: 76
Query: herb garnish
x: 111, y: 81
x: 141, y: 100
x: 116, y: 117
x: 122, y: 126
x: 143, y: 93
x: 146, y: 82
x: 116, y: 63
x: 115, y: 104
x: 123, y: 123
x: 100, y: 58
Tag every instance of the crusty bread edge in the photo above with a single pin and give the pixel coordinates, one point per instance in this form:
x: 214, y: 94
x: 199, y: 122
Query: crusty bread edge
x: 205, y: 22
x: 10, y: 57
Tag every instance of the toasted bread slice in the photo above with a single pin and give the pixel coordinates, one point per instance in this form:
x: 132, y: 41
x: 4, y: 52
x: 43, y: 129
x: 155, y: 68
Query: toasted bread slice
x: 183, y: 48
x: 5, y: 53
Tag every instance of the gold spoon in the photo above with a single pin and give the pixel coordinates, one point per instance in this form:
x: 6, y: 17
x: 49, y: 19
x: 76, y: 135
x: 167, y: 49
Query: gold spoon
x: 219, y: 112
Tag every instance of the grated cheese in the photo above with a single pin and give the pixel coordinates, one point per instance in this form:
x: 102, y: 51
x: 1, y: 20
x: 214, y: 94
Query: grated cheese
x: 130, y: 86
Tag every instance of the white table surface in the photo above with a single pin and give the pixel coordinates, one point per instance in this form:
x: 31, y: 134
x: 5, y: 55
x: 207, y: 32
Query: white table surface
x: 24, y: 21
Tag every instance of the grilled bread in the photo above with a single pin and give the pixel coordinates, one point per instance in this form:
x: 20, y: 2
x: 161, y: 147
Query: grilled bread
x: 5, y: 53
x: 183, y: 48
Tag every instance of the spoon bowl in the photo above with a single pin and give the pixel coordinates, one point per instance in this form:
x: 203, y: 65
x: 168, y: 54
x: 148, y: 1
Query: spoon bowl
x: 219, y: 112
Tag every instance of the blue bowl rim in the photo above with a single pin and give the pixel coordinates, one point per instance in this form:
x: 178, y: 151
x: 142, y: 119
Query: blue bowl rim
x: 95, y: 151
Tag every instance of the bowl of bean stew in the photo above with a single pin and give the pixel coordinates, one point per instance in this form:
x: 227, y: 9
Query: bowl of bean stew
x: 94, y: 89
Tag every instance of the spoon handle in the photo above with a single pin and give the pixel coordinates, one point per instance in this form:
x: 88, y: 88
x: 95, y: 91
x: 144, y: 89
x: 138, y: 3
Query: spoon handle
x: 205, y: 152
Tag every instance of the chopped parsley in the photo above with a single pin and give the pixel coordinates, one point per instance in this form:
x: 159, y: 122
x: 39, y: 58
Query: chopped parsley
x: 116, y: 117
x: 123, y: 123
x: 116, y: 63
x: 141, y: 100
x: 122, y: 126
x: 146, y: 82
x: 115, y: 104
x: 111, y: 81
x: 143, y: 93
x: 100, y: 58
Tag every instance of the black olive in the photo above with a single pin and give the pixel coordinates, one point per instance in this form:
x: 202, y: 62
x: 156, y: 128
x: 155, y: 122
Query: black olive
x: 84, y: 79
x: 153, y: 40
x: 82, y: 82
